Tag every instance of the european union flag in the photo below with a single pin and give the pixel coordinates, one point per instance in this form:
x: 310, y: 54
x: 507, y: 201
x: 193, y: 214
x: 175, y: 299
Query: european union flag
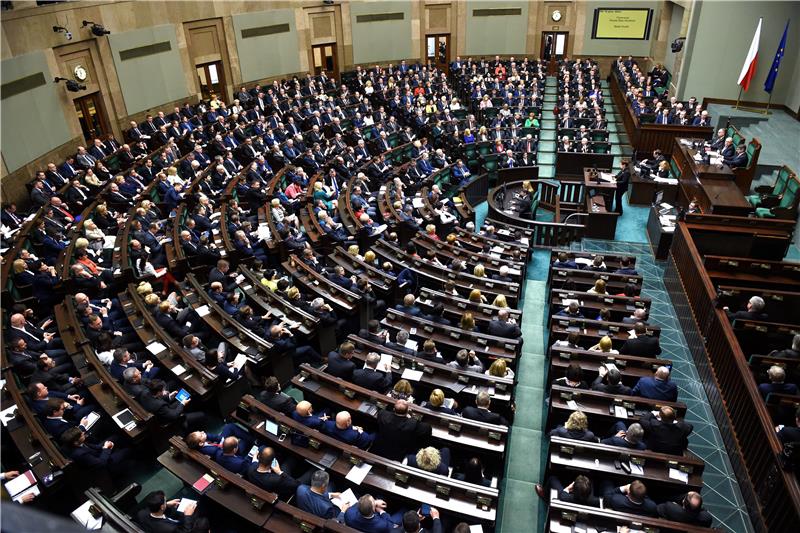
x: 773, y: 71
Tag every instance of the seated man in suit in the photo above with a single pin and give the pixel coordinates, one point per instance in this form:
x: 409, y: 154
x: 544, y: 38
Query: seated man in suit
x: 630, y: 498
x: 609, y: 380
x: 794, y: 351
x: 343, y: 429
x: 502, y: 327
x: 304, y: 413
x: 738, y: 159
x: 47, y: 375
x: 371, y: 377
x: 222, y: 273
x: 565, y: 260
x: 643, y: 344
x: 688, y: 510
x: 211, y: 444
x: 77, y: 407
x: 626, y: 267
x: 663, y: 433
x: 728, y: 149
x: 93, y: 456
x: 502, y: 275
x: 408, y: 306
x: 631, y: 438
x: 579, y: 491
x: 340, y: 363
x: 231, y: 458
x: 657, y: 387
x: 268, y: 474
x: 718, y: 142
x: 755, y: 310
x: 53, y: 418
x: 399, y: 432
x: 777, y: 376
x: 162, y: 516
x: 369, y: 515
x: 123, y: 360
x: 273, y: 398
x: 156, y: 399
x: 573, y: 310
x: 481, y: 411
x: 639, y: 315
x: 316, y: 499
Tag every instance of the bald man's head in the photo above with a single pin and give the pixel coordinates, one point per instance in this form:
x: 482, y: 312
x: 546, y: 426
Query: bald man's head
x: 343, y: 420
x: 303, y: 408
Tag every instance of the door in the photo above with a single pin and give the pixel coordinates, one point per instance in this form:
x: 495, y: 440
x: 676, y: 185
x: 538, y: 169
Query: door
x: 325, y: 59
x: 212, y: 80
x: 94, y: 122
x: 437, y: 51
x: 554, y: 48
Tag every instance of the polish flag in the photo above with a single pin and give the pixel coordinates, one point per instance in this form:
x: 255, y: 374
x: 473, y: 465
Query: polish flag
x: 749, y: 67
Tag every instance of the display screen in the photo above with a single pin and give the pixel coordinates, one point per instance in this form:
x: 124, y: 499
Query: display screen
x: 610, y: 23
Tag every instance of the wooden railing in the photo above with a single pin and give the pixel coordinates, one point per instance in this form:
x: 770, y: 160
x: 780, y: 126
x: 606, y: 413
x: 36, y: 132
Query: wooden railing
x: 772, y: 495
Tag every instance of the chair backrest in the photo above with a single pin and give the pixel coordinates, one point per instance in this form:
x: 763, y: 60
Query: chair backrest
x: 751, y: 152
x: 674, y: 168
x: 780, y: 183
x: 790, y: 195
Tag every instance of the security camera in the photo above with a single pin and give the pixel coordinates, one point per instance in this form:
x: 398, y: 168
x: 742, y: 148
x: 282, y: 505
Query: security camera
x: 677, y: 44
x: 62, y: 29
x: 97, y: 29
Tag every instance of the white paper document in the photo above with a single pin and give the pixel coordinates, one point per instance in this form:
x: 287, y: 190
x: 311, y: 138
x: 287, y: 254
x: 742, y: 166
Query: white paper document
x: 572, y: 404
x: 358, y: 473
x: 674, y: 473
x: 637, y: 469
x: 412, y: 375
x: 184, y: 503
x: 345, y: 498
x: 203, y: 310
x: 178, y: 370
x: 156, y: 348
x: 620, y: 412
x: 85, y: 518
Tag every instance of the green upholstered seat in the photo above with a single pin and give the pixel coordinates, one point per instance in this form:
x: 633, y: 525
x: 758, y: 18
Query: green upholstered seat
x: 787, y: 203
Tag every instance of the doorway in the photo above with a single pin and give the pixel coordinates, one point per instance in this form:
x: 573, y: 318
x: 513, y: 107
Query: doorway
x: 325, y: 59
x: 437, y: 51
x: 212, y: 80
x: 91, y: 116
x: 554, y: 48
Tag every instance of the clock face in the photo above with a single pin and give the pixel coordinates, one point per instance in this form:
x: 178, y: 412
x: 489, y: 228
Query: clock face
x: 556, y: 16
x: 80, y: 73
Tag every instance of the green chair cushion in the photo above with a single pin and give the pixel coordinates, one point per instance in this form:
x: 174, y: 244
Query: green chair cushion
x: 763, y: 212
x: 754, y: 199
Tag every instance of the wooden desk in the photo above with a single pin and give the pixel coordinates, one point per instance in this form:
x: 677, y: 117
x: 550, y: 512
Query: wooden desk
x: 642, y: 191
x: 601, y: 223
x: 598, y: 186
x: 660, y: 239
x: 573, y: 163
x: 714, y: 187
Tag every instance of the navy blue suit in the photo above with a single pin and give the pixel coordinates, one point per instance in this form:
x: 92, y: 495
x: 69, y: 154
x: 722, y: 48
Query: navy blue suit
x: 655, y: 389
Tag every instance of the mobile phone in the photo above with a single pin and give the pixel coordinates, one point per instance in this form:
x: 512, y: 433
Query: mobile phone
x: 282, y: 437
x: 425, y: 509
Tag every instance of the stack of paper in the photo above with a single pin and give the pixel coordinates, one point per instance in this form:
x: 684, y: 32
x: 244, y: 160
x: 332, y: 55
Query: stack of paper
x: 21, y: 485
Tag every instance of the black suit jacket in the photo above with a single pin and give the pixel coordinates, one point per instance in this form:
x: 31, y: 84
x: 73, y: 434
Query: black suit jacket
x: 372, y: 379
x: 665, y: 438
x: 165, y: 525
x: 482, y: 415
x: 340, y: 367
x: 398, y: 435
x: 644, y: 345
x: 676, y: 513
x: 280, y: 402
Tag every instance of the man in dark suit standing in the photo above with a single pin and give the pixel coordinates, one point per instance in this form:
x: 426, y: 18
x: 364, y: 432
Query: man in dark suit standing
x: 481, y: 410
x: 664, y: 434
x: 657, y: 387
x: 398, y: 432
x: 370, y: 377
x: 643, y: 344
x: 623, y: 179
x: 688, y: 510
x: 501, y: 327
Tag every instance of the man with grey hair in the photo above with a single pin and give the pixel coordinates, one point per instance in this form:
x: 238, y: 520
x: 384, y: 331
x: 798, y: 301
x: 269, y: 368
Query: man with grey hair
x: 639, y: 315
x: 630, y: 438
x: 657, y: 387
x: 501, y: 327
x: 371, y: 377
x: 794, y: 351
x: 399, y: 344
x: 132, y: 381
x: 502, y: 275
x: 777, y: 377
x: 316, y: 499
x: 755, y: 310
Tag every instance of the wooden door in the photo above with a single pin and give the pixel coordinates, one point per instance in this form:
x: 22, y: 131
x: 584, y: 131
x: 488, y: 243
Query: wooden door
x: 437, y: 51
x: 212, y: 80
x: 324, y: 56
x: 92, y: 117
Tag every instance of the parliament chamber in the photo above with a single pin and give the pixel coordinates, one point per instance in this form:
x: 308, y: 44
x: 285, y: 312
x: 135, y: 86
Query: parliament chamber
x: 414, y: 266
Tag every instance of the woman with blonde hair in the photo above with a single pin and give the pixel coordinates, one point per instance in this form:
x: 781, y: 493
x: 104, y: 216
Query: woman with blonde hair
x: 500, y: 301
x: 437, y: 402
x: 94, y: 234
x: 479, y: 271
x: 468, y: 322
x: 475, y: 296
x: 431, y: 460
x: 430, y: 231
x: 576, y: 427
x: 371, y: 258
x: 605, y: 345
x: 599, y: 287
x: 354, y: 251
x: 499, y: 369
x: 402, y: 390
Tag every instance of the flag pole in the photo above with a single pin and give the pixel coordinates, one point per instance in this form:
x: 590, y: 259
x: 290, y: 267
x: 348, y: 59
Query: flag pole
x: 767, y: 111
x: 738, y: 98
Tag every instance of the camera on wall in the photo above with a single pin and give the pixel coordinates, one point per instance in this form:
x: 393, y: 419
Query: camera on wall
x: 97, y: 29
x: 72, y: 85
x: 677, y: 44
x: 65, y: 31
